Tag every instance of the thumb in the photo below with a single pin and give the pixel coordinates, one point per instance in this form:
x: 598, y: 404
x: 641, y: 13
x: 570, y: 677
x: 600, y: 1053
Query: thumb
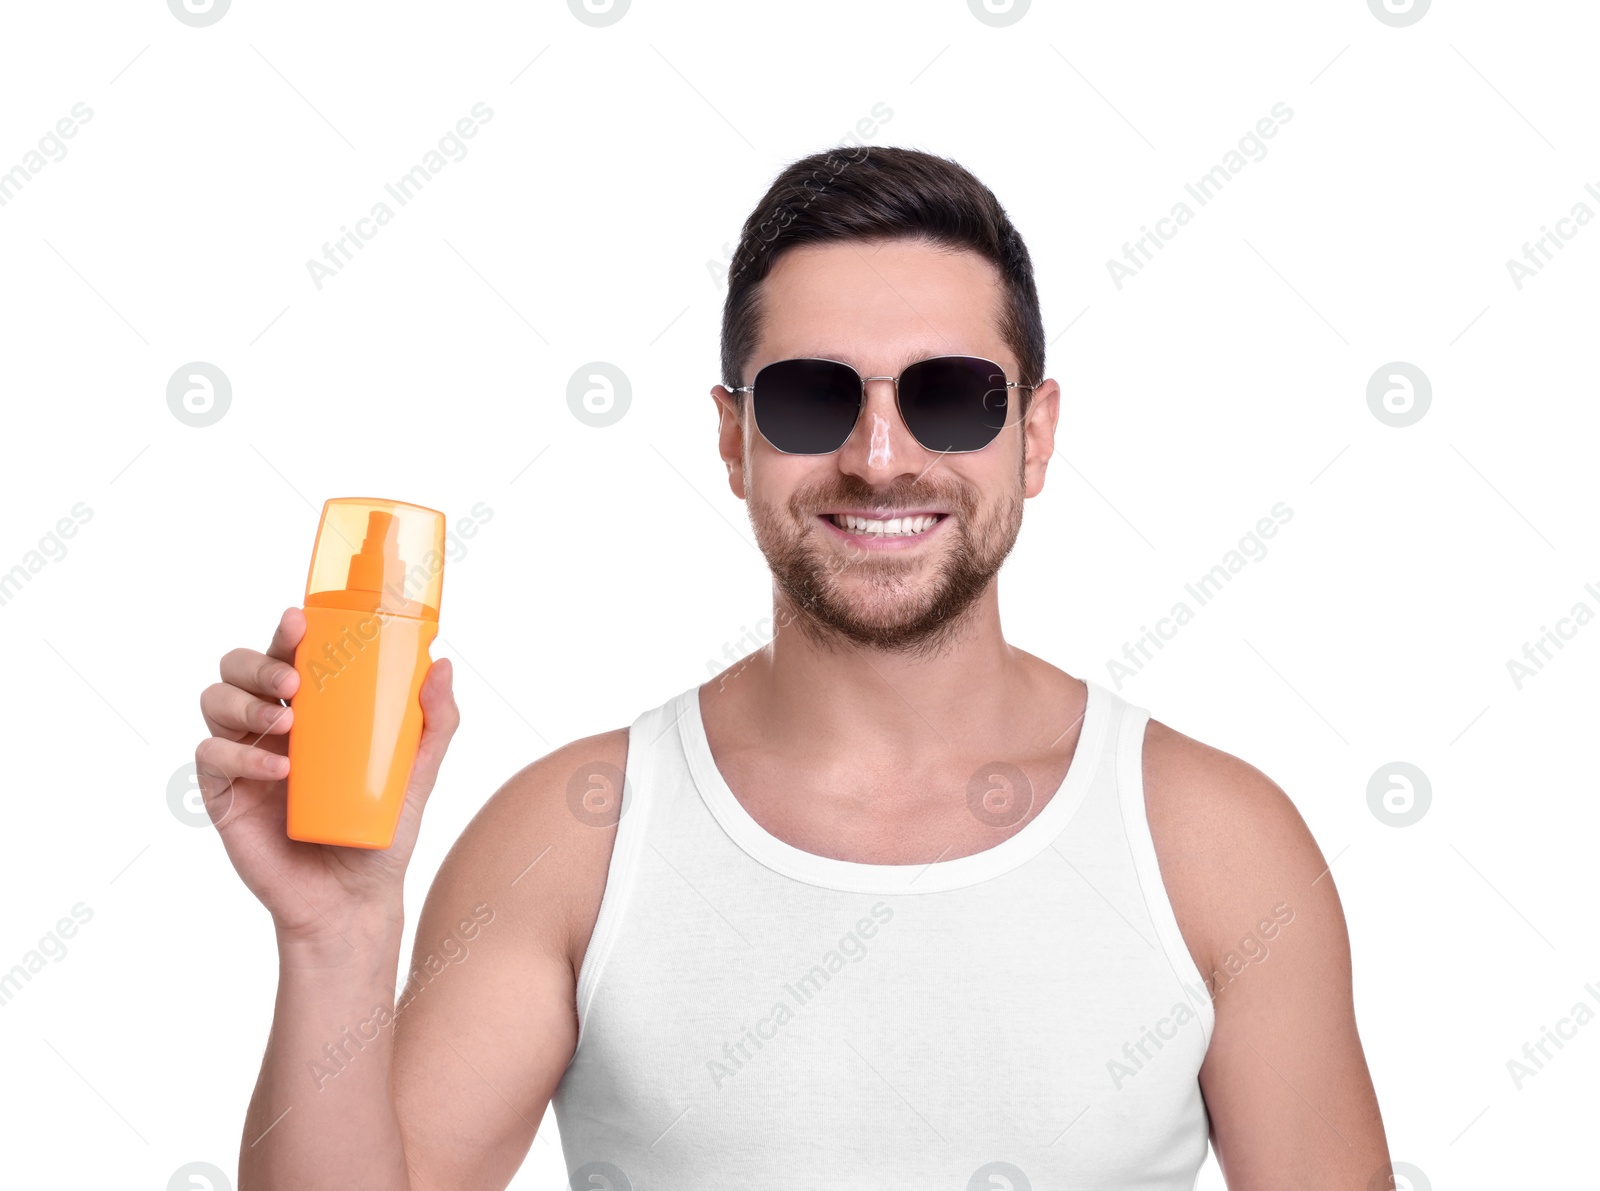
x: 440, y: 718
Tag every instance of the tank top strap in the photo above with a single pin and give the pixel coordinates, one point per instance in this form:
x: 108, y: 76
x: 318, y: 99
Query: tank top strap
x: 654, y: 757
x: 1126, y: 761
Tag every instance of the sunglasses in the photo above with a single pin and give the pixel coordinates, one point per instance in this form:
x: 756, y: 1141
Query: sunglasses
x: 950, y: 404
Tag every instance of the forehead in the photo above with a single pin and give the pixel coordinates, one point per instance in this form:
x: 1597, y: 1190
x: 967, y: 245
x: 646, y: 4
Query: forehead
x: 880, y: 304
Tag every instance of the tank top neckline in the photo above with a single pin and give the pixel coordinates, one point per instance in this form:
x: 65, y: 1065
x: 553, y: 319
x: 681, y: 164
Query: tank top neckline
x: 927, y: 877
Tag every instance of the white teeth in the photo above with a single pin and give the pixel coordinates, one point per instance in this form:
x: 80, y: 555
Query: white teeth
x: 894, y: 527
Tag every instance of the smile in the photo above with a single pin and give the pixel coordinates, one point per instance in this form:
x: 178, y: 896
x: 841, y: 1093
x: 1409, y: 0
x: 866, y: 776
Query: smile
x: 883, y: 532
x: 893, y: 527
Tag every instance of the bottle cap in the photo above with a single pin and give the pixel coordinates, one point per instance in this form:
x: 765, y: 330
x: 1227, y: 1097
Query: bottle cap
x: 378, y: 556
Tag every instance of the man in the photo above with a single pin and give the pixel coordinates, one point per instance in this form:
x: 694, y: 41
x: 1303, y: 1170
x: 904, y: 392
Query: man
x: 890, y: 903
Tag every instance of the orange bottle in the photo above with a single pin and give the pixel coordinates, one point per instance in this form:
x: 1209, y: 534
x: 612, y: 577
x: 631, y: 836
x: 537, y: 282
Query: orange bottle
x: 372, y: 610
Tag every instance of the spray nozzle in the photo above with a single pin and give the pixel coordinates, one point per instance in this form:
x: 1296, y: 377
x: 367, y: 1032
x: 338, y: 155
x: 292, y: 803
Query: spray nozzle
x: 377, y: 565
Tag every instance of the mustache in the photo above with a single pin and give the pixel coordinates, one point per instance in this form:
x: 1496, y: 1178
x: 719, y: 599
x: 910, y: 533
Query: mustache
x: 814, y: 502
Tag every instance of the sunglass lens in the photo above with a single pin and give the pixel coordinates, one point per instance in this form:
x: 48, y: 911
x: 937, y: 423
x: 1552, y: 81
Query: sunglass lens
x: 954, y: 403
x: 806, y: 407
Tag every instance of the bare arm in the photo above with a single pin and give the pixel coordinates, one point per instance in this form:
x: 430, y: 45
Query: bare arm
x: 488, y: 1024
x: 321, y: 1115
x: 1285, y: 1081
x: 445, y: 1088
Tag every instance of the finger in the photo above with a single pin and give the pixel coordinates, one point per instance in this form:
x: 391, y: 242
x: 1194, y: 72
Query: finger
x: 228, y: 759
x: 259, y: 675
x: 291, y: 627
x: 440, y: 719
x: 232, y: 712
x: 285, y: 638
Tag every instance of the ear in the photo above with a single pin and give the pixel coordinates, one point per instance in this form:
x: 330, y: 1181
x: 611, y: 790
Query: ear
x: 730, y: 437
x: 1039, y: 435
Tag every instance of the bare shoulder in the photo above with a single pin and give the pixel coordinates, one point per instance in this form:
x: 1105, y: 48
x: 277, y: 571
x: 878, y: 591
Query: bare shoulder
x: 1234, y: 852
x: 541, y: 845
x: 1257, y: 907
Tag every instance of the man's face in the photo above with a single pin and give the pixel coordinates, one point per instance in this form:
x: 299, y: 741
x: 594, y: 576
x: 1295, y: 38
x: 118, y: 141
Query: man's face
x: 880, y: 306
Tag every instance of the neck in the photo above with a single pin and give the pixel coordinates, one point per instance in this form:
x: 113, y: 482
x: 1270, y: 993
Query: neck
x: 810, y: 683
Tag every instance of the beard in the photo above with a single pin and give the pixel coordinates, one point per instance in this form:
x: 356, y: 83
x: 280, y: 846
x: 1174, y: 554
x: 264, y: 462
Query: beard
x: 890, y: 602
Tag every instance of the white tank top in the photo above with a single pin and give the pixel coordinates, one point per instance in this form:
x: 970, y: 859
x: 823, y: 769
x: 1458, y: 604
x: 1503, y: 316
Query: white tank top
x: 752, y: 1015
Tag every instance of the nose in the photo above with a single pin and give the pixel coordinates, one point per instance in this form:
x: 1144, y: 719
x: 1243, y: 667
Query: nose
x: 880, y: 447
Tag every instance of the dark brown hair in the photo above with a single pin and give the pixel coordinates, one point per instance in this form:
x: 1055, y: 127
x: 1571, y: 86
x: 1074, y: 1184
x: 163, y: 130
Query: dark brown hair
x: 871, y: 192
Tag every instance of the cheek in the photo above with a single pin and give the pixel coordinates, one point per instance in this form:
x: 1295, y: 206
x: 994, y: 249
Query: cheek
x: 795, y: 483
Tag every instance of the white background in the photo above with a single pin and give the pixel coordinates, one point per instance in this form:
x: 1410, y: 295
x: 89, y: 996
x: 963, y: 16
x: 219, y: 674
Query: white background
x: 584, y: 225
